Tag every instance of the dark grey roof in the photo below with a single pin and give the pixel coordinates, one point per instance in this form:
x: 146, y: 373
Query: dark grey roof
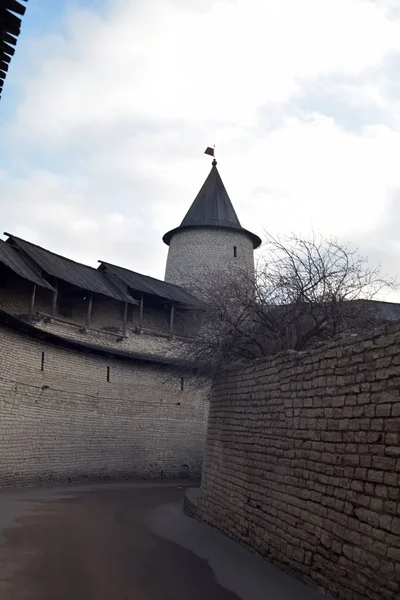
x: 150, y: 285
x: 10, y: 28
x: 82, y: 276
x: 14, y: 260
x: 380, y: 310
x: 212, y: 207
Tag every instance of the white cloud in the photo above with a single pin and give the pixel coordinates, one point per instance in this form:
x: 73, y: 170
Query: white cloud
x: 108, y: 133
x: 221, y: 61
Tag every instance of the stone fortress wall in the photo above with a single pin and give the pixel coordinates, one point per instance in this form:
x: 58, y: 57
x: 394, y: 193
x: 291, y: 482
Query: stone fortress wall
x: 68, y: 415
x: 302, y: 463
x: 195, y: 254
x: 78, y: 416
x: 105, y: 330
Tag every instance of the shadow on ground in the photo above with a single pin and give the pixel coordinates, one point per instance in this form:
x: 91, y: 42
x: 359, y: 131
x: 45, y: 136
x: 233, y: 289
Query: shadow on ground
x: 125, y: 542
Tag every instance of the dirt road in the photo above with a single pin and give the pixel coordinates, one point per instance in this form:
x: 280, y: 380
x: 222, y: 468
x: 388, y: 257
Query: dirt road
x: 123, y: 542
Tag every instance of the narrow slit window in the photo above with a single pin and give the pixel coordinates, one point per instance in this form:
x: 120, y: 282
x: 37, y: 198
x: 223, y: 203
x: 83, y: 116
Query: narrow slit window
x: 182, y: 384
x: 42, y: 363
x: 108, y: 373
x: 235, y: 251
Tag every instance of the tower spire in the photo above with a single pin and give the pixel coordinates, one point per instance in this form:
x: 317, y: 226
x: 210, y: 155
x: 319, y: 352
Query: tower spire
x: 212, y: 208
x: 210, y: 243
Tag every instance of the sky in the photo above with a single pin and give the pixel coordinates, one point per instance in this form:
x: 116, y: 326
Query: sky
x: 109, y: 105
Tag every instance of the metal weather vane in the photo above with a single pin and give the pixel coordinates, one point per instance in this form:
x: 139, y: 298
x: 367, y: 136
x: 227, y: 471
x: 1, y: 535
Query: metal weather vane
x: 211, y: 152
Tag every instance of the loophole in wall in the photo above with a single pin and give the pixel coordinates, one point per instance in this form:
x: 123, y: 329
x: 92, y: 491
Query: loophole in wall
x: 184, y: 472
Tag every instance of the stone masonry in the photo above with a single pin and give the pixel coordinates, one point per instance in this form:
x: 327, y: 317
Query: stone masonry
x: 198, y: 255
x: 106, y: 326
x: 69, y: 415
x: 91, y: 391
x: 302, y: 463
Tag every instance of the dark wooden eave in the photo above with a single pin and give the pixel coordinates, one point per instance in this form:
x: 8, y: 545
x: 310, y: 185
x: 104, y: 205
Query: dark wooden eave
x: 42, y: 267
x: 73, y: 273
x: 12, y: 259
x: 11, y: 12
x: 153, y: 287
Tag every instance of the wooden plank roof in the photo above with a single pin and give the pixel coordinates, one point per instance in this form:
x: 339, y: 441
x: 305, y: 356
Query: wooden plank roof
x: 154, y: 287
x: 11, y: 258
x: 76, y: 274
x: 108, y: 280
x: 11, y: 12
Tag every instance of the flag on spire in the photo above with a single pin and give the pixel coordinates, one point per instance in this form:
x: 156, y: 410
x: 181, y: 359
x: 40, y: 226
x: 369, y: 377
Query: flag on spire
x: 209, y: 151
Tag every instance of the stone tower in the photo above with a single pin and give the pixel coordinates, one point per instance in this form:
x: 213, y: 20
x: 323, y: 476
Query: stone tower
x: 210, y: 243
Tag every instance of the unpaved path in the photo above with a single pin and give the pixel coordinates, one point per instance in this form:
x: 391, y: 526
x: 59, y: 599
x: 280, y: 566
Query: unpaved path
x: 124, y: 542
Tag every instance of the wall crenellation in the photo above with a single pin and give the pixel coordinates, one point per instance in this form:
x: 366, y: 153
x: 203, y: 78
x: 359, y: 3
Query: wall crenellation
x: 302, y: 463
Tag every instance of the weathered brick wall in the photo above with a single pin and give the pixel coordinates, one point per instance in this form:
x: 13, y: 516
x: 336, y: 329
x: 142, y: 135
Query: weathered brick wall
x: 196, y: 255
x: 302, y: 463
x: 69, y: 422
x: 15, y: 296
x: 106, y: 321
x: 148, y: 343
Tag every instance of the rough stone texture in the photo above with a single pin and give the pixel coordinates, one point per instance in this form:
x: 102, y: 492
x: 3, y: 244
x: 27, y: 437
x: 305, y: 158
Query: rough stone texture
x: 15, y: 296
x: 106, y: 322
x: 302, y: 463
x: 195, y: 254
x: 149, y: 342
x: 68, y: 423
x: 191, y: 501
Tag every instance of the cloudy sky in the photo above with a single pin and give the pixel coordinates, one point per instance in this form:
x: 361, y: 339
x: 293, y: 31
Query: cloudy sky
x: 109, y: 105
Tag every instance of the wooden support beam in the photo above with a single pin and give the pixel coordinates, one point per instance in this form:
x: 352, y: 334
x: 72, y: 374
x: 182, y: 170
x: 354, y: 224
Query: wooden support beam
x: 32, y: 304
x: 171, y: 319
x: 125, y: 319
x: 141, y: 318
x: 54, y: 301
x: 89, y: 311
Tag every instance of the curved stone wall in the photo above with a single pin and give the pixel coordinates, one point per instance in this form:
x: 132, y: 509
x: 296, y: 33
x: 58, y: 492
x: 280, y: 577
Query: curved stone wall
x: 302, y: 463
x: 196, y: 254
x: 69, y: 415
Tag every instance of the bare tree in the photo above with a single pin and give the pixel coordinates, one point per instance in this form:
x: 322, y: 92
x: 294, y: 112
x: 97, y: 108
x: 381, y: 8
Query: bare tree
x: 306, y: 290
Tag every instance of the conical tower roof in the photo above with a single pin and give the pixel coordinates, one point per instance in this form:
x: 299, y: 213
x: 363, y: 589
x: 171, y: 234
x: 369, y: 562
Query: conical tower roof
x: 212, y: 207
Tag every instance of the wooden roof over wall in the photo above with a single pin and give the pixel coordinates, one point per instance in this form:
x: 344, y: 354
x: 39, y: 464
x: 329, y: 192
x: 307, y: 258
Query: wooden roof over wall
x: 11, y: 12
x: 23, y: 258
x: 76, y: 274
